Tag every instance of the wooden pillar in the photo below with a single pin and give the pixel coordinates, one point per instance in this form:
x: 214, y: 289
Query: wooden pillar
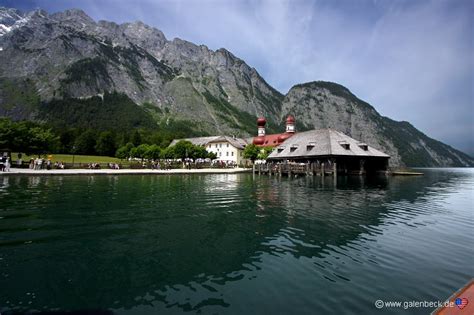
x: 362, y: 168
x: 334, y: 168
x: 322, y: 169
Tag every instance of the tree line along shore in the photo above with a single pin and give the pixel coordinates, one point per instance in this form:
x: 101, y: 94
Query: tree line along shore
x: 24, y: 141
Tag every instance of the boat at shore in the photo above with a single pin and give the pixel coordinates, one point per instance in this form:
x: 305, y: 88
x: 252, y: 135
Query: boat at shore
x: 458, y: 303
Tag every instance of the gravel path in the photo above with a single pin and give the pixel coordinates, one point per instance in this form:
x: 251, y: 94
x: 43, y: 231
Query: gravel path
x: 23, y: 171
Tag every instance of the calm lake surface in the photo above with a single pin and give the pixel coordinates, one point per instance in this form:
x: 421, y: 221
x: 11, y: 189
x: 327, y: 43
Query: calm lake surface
x: 233, y: 244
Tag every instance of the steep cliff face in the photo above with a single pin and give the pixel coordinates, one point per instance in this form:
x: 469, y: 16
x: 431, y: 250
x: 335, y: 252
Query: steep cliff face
x: 68, y: 54
x: 68, y: 58
x: 330, y: 105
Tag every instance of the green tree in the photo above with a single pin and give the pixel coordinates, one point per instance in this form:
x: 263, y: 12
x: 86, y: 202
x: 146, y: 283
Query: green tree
x: 139, y: 152
x: 133, y: 152
x: 124, y: 138
x: 264, y: 153
x: 211, y: 155
x: 27, y: 137
x: 183, y: 149
x: 7, y: 134
x: 41, y: 141
x: 199, y: 152
x: 168, y: 153
x: 124, y: 151
x: 251, y: 152
x: 85, y: 143
x: 15, y: 136
x: 136, y: 138
x: 106, y: 144
x: 153, y: 152
x: 66, y: 139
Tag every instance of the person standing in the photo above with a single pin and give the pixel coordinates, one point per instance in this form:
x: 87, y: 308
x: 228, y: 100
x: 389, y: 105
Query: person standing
x: 7, y: 164
x: 19, y: 161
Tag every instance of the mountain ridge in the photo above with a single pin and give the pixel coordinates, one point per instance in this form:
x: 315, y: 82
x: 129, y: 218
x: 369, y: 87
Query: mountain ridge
x: 67, y: 55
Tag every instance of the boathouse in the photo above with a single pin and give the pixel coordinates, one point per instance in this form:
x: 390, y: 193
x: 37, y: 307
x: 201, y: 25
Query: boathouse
x: 328, y: 150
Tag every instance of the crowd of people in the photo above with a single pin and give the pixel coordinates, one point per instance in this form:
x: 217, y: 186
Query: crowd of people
x: 96, y: 166
x: 93, y: 166
x: 224, y: 164
x: 114, y: 166
x: 44, y: 164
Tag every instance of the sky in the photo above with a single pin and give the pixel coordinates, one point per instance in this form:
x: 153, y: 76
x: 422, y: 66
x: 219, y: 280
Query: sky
x: 411, y: 59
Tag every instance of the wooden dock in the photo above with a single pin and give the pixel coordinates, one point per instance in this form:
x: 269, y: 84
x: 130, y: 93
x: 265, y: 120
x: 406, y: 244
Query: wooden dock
x: 328, y: 168
x: 295, y: 169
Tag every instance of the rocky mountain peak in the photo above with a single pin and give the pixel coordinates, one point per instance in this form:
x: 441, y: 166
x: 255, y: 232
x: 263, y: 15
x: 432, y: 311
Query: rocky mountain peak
x: 37, y: 14
x: 10, y: 19
x: 73, y: 15
x: 145, y: 36
x: 9, y: 16
x: 330, y: 86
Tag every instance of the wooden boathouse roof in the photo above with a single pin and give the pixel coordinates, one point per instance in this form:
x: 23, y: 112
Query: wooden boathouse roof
x: 323, y: 142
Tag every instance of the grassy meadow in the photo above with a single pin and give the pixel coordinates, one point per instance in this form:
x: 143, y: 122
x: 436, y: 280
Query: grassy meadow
x: 67, y: 158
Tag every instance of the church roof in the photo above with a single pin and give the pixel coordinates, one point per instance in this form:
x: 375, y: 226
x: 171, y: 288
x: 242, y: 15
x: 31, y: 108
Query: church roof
x: 271, y: 140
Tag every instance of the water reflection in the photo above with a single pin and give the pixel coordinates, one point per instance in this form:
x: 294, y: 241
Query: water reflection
x: 224, y: 243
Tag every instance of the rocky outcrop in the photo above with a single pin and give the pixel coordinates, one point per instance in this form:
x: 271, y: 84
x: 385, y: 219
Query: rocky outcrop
x: 330, y: 105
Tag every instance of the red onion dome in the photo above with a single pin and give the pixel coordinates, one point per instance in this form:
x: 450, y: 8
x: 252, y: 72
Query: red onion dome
x: 283, y: 137
x: 261, y: 122
x: 290, y: 119
x: 258, y: 140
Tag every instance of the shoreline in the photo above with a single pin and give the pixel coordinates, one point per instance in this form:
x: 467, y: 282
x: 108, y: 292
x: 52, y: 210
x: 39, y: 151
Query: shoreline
x: 22, y: 171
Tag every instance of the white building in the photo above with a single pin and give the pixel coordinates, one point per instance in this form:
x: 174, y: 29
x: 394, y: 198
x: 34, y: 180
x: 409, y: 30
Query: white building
x: 227, y: 149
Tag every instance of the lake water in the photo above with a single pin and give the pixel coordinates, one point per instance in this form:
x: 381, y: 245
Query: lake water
x: 233, y: 244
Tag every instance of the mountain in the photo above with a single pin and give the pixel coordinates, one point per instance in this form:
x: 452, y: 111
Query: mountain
x: 329, y: 105
x: 69, y: 70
